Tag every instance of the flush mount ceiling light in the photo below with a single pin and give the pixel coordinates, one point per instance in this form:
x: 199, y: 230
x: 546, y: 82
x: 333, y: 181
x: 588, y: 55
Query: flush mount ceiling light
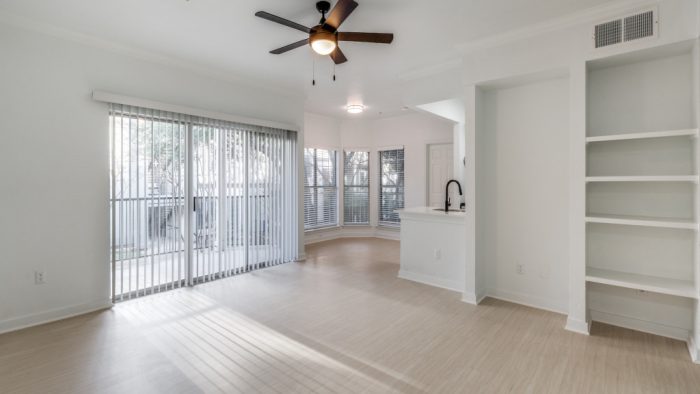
x: 355, y: 108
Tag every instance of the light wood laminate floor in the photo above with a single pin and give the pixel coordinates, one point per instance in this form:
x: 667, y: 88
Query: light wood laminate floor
x: 339, y: 322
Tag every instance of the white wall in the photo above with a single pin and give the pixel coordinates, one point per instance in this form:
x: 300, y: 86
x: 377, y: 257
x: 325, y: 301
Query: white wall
x: 645, y: 96
x: 413, y: 131
x: 54, y: 162
x: 522, y: 193
x: 557, y: 47
x: 321, y: 131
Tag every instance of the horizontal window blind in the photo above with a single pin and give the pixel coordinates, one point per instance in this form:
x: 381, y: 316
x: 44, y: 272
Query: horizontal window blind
x: 391, y: 185
x: 356, y: 187
x: 320, y: 188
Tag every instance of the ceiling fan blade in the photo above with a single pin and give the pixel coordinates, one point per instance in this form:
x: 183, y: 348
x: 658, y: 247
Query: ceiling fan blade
x: 338, y: 56
x: 381, y: 38
x: 289, y: 47
x: 282, y: 21
x: 342, y: 9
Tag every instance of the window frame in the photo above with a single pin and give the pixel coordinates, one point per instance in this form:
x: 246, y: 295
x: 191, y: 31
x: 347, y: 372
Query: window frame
x: 396, y: 222
x: 366, y: 186
x: 315, y: 189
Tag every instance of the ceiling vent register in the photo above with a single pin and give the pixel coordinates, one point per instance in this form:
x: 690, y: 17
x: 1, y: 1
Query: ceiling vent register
x: 624, y: 29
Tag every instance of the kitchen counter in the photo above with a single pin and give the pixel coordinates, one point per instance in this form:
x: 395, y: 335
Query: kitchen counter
x: 430, y: 212
x: 433, y: 247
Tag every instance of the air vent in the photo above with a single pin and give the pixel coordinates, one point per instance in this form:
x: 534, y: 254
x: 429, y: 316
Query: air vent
x: 608, y: 33
x: 624, y: 29
x: 639, y: 26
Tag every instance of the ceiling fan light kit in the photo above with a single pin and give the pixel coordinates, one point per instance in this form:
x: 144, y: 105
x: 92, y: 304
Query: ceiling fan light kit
x: 323, y: 42
x: 324, y: 37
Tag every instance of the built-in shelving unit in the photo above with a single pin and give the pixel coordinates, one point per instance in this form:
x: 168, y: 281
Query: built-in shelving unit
x: 653, y: 178
x: 647, y: 135
x: 643, y: 221
x: 642, y: 238
x: 655, y: 284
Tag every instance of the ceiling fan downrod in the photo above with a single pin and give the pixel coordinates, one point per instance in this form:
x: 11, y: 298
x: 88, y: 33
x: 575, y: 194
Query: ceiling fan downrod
x: 323, y: 7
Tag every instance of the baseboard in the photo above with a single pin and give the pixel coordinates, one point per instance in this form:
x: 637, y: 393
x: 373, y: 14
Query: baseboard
x: 35, y: 319
x: 578, y: 326
x: 431, y: 280
x: 640, y: 325
x: 472, y: 298
x: 387, y: 233
x: 329, y: 234
x: 321, y: 235
x: 692, y: 349
x: 527, y: 300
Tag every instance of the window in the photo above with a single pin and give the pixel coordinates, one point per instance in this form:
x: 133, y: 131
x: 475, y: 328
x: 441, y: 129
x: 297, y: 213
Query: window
x: 320, y: 188
x: 391, y: 185
x: 356, y: 188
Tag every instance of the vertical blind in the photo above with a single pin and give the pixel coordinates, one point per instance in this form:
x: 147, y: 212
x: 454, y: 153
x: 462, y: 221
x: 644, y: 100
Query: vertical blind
x: 391, y: 185
x: 195, y: 199
x: 320, y: 188
x: 356, y: 187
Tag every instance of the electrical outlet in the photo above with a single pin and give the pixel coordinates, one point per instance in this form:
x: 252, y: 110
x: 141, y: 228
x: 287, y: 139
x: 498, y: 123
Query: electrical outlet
x: 438, y: 254
x: 39, y: 277
x: 520, y: 269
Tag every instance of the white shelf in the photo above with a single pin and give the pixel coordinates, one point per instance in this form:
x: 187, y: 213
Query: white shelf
x: 643, y: 221
x: 640, y: 136
x: 654, y: 178
x: 674, y: 287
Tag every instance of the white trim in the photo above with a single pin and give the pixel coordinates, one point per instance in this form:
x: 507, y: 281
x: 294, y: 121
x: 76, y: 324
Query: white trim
x: 589, y: 15
x: 390, y: 233
x: 527, y: 300
x: 322, y: 147
x: 640, y: 325
x: 578, y: 326
x: 390, y: 147
x: 472, y: 298
x: 453, y: 285
x: 35, y: 319
x: 351, y: 231
x: 693, y: 349
x: 351, y: 149
x: 107, y: 97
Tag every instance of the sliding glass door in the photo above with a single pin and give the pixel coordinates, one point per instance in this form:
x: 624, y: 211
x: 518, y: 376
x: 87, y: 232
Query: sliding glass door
x: 196, y: 199
x: 147, y: 201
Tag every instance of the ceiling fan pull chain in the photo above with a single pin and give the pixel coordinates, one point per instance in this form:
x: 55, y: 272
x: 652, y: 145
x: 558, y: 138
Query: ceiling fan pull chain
x: 334, y: 71
x: 313, y: 70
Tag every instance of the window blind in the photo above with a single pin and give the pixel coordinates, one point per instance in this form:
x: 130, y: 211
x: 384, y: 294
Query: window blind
x: 195, y: 199
x: 320, y: 188
x: 356, y: 187
x: 391, y: 185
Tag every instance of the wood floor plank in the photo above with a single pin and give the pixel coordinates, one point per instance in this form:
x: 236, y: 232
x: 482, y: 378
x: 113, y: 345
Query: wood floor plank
x: 340, y: 322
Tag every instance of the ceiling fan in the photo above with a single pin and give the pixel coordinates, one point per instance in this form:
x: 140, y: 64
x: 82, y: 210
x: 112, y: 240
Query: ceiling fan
x: 325, y: 36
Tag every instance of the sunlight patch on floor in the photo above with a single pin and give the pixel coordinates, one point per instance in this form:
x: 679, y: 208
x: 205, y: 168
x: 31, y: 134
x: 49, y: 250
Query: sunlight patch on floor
x: 222, y: 350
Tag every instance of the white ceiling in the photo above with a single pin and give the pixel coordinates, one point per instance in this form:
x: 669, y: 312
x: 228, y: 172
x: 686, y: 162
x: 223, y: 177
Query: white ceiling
x: 225, y: 36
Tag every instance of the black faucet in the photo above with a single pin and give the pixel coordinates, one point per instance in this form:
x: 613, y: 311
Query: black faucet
x: 447, y: 193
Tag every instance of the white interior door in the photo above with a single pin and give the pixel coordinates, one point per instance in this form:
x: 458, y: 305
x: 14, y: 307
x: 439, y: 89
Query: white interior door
x: 440, y: 170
